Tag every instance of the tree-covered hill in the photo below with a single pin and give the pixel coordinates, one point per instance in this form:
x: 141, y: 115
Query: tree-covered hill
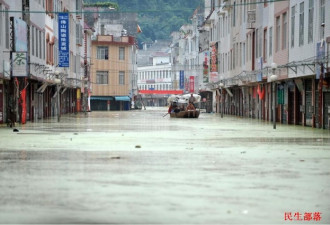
x: 158, y: 18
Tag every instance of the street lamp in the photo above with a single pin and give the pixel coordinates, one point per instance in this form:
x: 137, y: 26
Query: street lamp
x: 221, y: 85
x: 58, y: 82
x: 273, y: 79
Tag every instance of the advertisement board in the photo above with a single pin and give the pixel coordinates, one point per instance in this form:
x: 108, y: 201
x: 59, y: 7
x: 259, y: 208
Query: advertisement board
x: 191, y: 84
x: 181, y: 79
x: 206, y: 68
x: 19, y: 64
x: 63, y: 41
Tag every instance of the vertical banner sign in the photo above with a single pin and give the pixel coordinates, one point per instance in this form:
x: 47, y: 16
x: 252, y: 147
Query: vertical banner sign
x: 214, y: 63
x: 181, y: 79
x: 191, y: 84
x: 63, y: 42
x: 206, y: 68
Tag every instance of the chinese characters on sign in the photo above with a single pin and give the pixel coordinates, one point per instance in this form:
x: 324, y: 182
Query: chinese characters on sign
x: 181, y: 79
x: 19, y: 64
x: 63, y: 42
x: 214, y: 63
x: 206, y: 68
x: 191, y: 84
x: 307, y: 216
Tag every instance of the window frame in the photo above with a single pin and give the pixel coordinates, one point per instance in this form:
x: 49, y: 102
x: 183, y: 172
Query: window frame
x: 121, y: 53
x: 293, y: 25
x: 310, y: 21
x: 102, y: 52
x: 102, y: 77
x: 121, y: 78
x: 301, y: 23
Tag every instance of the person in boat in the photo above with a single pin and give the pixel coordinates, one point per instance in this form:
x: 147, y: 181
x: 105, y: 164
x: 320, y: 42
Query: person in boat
x: 173, y: 108
x: 190, y: 107
x: 191, y: 101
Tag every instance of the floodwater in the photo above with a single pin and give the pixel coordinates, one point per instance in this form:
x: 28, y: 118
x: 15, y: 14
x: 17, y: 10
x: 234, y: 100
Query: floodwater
x: 142, y: 167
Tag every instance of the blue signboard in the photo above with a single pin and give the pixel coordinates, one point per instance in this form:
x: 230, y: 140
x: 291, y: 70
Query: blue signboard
x: 181, y: 79
x: 63, y: 41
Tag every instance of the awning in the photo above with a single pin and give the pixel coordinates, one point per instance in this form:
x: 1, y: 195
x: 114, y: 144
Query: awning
x: 101, y: 98
x: 162, y: 92
x: 122, y: 98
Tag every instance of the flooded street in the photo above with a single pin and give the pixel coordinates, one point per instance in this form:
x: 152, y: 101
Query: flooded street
x: 143, y: 167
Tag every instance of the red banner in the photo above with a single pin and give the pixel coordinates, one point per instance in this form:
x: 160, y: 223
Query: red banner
x: 191, y: 84
x: 23, y: 103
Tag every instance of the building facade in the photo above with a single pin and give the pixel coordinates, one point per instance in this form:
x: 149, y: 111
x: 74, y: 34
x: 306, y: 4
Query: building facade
x: 266, y: 60
x: 35, y: 84
x: 111, y: 72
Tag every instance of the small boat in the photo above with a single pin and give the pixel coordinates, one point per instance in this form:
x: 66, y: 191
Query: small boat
x: 185, y: 114
x: 179, y: 106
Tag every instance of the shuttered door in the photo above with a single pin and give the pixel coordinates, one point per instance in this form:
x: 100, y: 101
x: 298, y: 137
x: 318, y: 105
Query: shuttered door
x: 308, y: 98
x: 326, y: 110
x: 291, y: 104
x: 317, y: 105
x: 300, y: 102
x: 283, y: 111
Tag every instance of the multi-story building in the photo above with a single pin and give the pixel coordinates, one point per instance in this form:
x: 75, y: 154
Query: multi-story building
x: 7, y: 99
x: 267, y: 60
x: 111, y: 71
x: 156, y: 79
x: 45, y: 83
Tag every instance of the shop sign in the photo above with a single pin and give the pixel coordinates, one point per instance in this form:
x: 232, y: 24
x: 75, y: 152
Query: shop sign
x: 181, y: 79
x: 19, y: 63
x: 63, y: 42
x: 191, y: 84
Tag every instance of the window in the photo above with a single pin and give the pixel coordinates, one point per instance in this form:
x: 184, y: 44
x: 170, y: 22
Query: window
x: 32, y: 40
x: 322, y: 18
x: 265, y: 46
x: 310, y: 21
x: 301, y: 24
x: 102, y: 52
x: 284, y: 30
x: 102, y: 77
x: 244, y: 52
x: 234, y: 15
x: 293, y: 25
x: 121, y: 53
x: 121, y: 77
x: 40, y: 45
x: 37, y: 42
x: 278, y: 33
x: 270, y: 41
x: 49, y: 8
x: 43, y: 47
x: 7, y: 33
x: 55, y: 52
